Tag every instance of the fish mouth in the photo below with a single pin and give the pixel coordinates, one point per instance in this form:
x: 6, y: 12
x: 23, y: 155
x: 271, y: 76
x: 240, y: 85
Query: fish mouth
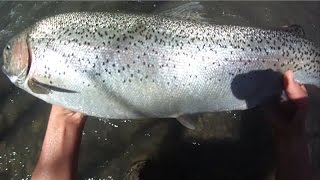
x: 1, y: 63
x: 3, y: 69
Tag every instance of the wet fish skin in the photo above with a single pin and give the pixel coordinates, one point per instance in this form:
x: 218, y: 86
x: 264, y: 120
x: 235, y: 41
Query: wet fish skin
x: 133, y: 66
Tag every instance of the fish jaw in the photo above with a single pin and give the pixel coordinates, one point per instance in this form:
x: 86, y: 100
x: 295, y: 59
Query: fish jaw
x: 16, y: 59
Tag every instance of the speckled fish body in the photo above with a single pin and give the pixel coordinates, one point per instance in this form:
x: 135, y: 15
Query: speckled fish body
x: 131, y: 66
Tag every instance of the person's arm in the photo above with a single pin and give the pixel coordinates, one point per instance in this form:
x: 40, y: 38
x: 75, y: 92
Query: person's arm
x: 60, y: 149
x: 292, y: 156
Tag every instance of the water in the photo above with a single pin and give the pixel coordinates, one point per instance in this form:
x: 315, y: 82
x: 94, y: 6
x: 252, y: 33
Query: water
x: 232, y: 145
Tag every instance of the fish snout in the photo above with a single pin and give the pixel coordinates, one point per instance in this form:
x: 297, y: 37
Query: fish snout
x: 2, y: 59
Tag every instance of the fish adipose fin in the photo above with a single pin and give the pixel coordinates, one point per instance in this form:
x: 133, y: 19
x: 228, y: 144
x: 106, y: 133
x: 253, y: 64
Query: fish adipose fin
x: 41, y: 88
x: 295, y: 29
x: 190, y: 11
x: 186, y: 121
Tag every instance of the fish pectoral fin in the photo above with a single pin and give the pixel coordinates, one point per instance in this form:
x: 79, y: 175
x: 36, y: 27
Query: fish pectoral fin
x: 186, y: 121
x: 36, y: 87
x: 190, y: 11
x: 41, y: 88
x: 295, y: 29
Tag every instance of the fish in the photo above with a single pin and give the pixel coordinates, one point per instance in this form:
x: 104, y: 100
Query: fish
x: 128, y: 66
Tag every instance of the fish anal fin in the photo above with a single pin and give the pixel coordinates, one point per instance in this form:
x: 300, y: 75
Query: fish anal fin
x: 186, y: 121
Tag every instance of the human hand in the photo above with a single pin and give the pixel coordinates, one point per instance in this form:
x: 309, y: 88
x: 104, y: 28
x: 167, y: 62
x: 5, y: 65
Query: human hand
x: 60, y: 148
x: 291, y: 142
x: 288, y: 120
x: 64, y: 115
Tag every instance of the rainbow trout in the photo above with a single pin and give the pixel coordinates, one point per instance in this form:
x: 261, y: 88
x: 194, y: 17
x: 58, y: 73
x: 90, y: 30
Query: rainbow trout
x: 133, y: 66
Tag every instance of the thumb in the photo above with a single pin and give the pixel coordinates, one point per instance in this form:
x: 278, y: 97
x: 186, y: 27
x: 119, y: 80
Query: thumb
x: 294, y: 90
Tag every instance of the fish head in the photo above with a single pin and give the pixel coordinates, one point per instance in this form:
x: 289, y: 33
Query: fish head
x: 16, y: 59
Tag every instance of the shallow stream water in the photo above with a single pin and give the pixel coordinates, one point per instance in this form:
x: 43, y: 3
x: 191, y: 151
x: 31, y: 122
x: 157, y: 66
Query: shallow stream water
x: 225, y: 145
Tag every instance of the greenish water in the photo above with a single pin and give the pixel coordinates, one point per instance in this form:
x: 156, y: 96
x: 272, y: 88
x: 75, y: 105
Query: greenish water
x: 226, y: 145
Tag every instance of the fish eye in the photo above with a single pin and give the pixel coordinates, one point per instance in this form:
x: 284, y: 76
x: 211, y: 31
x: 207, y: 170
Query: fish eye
x: 8, y: 47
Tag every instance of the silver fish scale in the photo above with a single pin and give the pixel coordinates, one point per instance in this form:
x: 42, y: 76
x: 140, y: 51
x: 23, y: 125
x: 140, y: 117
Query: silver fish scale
x: 131, y: 66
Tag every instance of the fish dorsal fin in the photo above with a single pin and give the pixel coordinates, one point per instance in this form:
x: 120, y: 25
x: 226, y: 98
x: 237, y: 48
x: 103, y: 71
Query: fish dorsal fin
x: 295, y: 29
x: 193, y: 11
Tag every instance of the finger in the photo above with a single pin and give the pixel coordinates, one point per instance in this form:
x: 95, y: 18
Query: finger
x: 61, y: 110
x: 292, y: 88
x: 304, y: 88
x: 58, y: 112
